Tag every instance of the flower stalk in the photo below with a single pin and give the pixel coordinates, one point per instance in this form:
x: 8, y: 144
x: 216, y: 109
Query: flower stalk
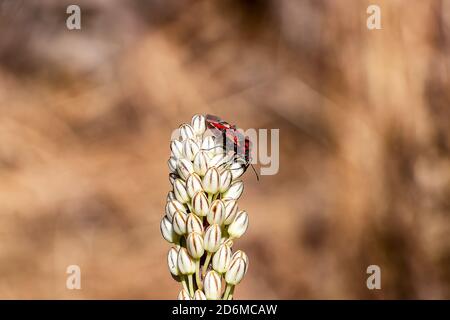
x: 201, y: 219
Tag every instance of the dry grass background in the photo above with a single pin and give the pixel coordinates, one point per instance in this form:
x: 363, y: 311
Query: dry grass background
x: 364, y: 175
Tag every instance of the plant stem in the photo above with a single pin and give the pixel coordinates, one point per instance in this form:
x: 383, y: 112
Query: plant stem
x: 227, y: 291
x: 230, y: 297
x: 215, y: 196
x: 205, y: 266
x: 183, y: 282
x: 191, y: 285
x: 197, y: 275
x: 210, y: 195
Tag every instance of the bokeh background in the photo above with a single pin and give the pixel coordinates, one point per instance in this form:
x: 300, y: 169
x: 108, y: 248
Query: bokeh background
x: 86, y: 118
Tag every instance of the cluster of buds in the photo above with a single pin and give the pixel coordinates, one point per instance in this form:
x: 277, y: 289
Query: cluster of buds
x: 202, y: 218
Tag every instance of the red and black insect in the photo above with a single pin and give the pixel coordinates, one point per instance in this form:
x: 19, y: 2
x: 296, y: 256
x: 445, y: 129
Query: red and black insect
x: 232, y: 139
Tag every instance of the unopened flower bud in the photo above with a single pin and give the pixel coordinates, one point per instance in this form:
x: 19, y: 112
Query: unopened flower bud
x: 225, y: 181
x: 217, y: 160
x: 170, y: 196
x: 212, y: 285
x: 209, y: 145
x: 172, y: 206
x: 194, y: 244
x: 221, y: 259
x: 243, y: 255
x: 211, y: 242
x: 186, y: 265
x: 201, y: 163
x: 172, y: 257
x: 167, y: 231
x: 184, y: 295
x: 211, y: 181
x: 176, y: 148
x: 216, y: 212
x: 190, y: 149
x: 172, y: 164
x: 239, y: 225
x: 231, y: 208
x: 186, y: 132
x: 199, y: 295
x: 200, y: 204
x: 172, y: 177
x: 180, y: 192
x: 193, y: 184
x: 235, y: 272
x: 184, y: 168
x: 179, y: 222
x: 237, y: 169
x: 198, y: 124
x: 194, y: 224
x: 235, y: 190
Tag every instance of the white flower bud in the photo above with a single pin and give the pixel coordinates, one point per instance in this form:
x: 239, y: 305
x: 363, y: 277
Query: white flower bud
x: 243, y: 255
x: 172, y: 206
x: 190, y: 149
x: 193, y: 184
x: 212, y: 285
x: 211, y: 242
x: 235, y: 190
x: 187, y: 132
x: 237, y: 169
x: 172, y: 257
x: 201, y: 163
x: 172, y: 177
x: 231, y: 208
x: 209, y: 146
x: 226, y: 241
x: 179, y: 222
x: 186, y: 265
x: 200, y: 204
x: 198, y: 124
x: 180, y: 192
x: 167, y: 230
x: 184, y: 295
x: 217, y: 160
x: 239, y: 225
x: 172, y: 164
x: 170, y: 196
x: 194, y: 224
x: 184, y: 168
x: 235, y: 272
x: 225, y: 181
x: 211, y: 181
x: 194, y: 244
x: 216, y: 212
x: 199, y: 295
x: 221, y: 259
x: 176, y: 148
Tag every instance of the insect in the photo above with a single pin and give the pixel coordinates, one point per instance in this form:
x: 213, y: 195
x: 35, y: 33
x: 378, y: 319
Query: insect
x: 232, y: 139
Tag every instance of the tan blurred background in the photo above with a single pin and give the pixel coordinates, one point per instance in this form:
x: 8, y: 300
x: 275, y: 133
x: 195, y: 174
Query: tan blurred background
x: 86, y: 118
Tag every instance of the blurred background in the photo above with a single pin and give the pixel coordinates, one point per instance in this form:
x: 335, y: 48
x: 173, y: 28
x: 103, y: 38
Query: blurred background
x: 86, y: 117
